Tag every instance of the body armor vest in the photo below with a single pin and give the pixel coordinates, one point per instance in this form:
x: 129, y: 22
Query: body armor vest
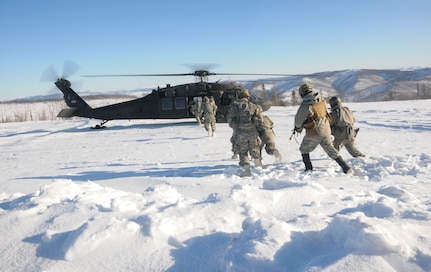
x: 320, y: 110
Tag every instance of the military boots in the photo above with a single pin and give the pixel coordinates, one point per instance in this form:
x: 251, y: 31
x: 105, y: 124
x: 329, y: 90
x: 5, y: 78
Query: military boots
x: 307, y: 162
x: 346, y: 168
x: 258, y: 162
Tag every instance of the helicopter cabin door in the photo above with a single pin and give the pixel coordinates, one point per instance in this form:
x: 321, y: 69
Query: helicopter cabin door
x: 174, y: 107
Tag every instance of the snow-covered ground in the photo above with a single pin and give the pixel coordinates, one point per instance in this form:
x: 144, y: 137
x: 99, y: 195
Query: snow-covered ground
x: 159, y: 195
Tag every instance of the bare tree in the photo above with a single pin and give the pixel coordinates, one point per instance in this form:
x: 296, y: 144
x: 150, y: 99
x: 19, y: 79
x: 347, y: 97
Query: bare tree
x: 294, y: 98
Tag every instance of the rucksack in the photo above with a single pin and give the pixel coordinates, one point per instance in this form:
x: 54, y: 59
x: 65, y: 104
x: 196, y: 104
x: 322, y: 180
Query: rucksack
x: 346, y: 117
x: 244, y: 112
x: 207, y: 108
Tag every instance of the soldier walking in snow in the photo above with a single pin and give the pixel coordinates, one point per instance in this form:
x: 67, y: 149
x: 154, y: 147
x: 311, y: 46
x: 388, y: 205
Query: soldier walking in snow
x: 244, y: 115
x: 267, y: 135
x: 209, y: 110
x: 196, y: 109
x: 233, y: 138
x: 235, y: 150
x: 312, y: 116
x: 342, y: 127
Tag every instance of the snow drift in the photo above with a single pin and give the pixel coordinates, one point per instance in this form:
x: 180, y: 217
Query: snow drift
x: 159, y: 195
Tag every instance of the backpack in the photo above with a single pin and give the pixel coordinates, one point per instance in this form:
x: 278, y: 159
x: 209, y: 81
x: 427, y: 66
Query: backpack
x: 346, y: 117
x: 266, y: 123
x: 244, y: 112
x: 207, y: 108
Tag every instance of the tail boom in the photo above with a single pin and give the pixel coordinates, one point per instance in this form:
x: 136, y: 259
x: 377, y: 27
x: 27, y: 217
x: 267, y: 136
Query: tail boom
x: 75, y: 103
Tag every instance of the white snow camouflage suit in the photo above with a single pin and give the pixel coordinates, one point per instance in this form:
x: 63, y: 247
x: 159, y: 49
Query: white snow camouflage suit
x: 313, y: 108
x: 342, y: 127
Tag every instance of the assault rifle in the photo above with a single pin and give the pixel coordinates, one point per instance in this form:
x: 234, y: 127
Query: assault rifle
x: 293, y: 134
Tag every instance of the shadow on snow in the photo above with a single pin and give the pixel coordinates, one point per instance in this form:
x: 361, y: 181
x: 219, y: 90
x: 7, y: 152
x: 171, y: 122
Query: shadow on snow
x: 193, y: 171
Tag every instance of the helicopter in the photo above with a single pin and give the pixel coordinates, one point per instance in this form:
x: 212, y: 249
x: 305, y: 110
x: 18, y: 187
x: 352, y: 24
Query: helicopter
x: 169, y: 102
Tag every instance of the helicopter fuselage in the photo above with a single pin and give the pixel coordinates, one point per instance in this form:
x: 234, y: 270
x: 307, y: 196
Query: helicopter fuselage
x: 170, y: 102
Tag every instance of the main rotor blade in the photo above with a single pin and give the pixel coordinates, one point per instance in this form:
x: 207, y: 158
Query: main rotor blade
x: 137, y: 75
x: 198, y: 73
x: 250, y: 74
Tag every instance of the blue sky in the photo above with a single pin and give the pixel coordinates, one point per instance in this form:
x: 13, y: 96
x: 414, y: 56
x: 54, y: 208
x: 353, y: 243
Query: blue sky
x: 235, y: 36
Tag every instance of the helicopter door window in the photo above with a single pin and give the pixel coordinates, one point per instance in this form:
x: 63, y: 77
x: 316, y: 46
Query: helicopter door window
x: 226, y: 99
x: 167, y: 104
x: 180, y: 103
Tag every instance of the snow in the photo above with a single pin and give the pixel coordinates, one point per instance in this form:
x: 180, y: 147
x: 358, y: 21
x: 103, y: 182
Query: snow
x: 159, y: 195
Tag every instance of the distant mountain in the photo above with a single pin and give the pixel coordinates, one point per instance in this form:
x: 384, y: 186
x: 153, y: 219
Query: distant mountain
x: 355, y: 85
x: 88, y: 95
x: 361, y: 85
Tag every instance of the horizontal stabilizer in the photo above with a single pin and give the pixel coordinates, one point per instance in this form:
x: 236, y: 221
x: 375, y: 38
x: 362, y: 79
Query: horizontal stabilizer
x: 67, y: 113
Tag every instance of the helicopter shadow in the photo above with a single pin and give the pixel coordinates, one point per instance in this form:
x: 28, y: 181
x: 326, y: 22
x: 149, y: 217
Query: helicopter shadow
x: 36, y: 132
x: 147, y: 126
x: 44, y: 132
x: 89, y: 128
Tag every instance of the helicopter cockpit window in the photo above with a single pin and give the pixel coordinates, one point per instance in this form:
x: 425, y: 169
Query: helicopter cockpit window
x: 180, y: 102
x: 167, y: 104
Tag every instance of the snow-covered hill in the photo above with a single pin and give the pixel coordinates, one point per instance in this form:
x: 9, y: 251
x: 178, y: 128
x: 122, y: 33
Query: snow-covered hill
x: 159, y: 195
x: 357, y: 85
x: 352, y: 85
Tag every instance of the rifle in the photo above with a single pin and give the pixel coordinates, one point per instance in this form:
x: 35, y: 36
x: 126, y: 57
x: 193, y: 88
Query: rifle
x: 293, y: 134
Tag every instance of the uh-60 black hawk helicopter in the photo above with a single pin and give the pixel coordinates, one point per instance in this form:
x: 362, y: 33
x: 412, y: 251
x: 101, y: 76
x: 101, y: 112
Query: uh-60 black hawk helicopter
x: 170, y: 102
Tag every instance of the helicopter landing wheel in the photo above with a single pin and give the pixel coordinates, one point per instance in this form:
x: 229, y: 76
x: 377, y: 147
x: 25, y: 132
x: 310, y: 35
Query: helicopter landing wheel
x: 101, y: 125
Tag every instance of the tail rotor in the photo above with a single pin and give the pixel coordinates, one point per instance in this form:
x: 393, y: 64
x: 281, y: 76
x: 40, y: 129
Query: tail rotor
x: 70, y: 68
x: 51, y: 74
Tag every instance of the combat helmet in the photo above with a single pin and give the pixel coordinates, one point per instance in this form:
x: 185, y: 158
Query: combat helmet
x: 305, y: 89
x: 243, y: 93
x: 335, y: 101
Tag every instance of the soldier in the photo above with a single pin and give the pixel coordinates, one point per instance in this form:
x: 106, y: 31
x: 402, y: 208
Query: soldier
x: 196, y: 109
x: 342, y: 127
x: 312, y: 116
x: 233, y: 138
x: 267, y: 135
x: 209, y: 110
x: 244, y: 116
